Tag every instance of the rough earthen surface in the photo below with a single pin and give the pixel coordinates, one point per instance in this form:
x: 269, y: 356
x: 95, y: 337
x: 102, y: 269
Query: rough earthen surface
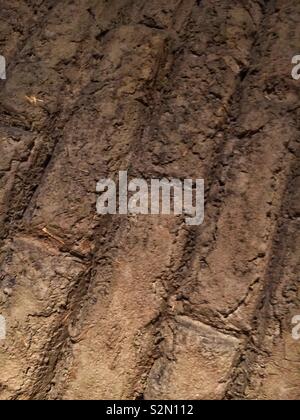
x: 116, y: 307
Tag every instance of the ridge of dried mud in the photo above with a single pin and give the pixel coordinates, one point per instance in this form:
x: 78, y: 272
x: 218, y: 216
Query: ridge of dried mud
x: 118, y: 307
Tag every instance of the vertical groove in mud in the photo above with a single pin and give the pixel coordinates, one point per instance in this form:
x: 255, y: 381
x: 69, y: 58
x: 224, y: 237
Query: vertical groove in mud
x: 186, y: 273
x: 167, y: 88
x: 270, y: 323
x: 34, y: 390
x: 265, y: 322
x: 130, y: 160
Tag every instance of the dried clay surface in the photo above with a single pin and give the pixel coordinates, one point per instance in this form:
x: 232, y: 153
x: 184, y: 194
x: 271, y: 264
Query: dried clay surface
x: 147, y: 307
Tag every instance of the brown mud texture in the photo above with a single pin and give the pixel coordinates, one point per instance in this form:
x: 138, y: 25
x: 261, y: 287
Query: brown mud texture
x: 147, y: 307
